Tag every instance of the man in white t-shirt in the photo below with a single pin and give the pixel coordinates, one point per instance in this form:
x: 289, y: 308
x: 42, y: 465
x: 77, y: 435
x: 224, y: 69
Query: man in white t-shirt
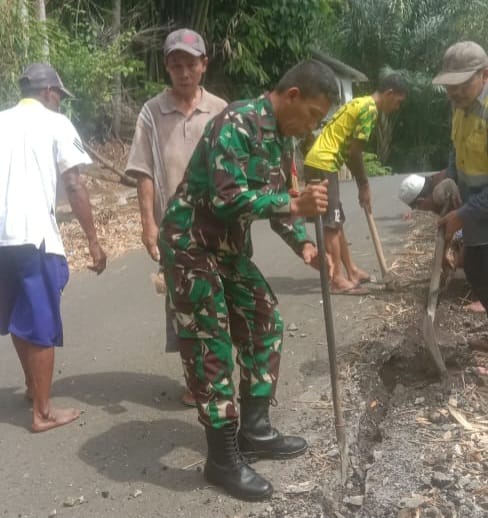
x: 38, y: 146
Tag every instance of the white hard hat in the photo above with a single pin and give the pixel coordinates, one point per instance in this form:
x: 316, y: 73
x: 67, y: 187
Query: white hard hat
x: 410, y: 188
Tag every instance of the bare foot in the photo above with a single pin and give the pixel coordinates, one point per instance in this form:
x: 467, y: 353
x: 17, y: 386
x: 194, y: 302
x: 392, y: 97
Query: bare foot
x: 57, y: 417
x: 359, y: 276
x: 339, y: 284
x: 475, y: 307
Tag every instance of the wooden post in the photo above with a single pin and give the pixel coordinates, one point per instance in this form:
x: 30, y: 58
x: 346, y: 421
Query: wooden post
x: 41, y: 10
x: 117, y: 97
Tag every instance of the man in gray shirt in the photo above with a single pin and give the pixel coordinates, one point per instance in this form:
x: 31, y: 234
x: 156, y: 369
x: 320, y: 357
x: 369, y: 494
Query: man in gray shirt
x: 167, y: 131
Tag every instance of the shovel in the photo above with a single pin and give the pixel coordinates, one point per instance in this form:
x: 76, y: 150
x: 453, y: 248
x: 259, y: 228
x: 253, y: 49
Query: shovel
x: 386, y: 276
x: 430, y: 336
x: 329, y: 330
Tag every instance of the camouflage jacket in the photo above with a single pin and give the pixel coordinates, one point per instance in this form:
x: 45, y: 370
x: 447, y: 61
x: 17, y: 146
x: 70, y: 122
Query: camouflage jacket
x: 240, y: 172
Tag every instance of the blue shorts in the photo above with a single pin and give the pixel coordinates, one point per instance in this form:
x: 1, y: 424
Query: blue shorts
x: 31, y: 283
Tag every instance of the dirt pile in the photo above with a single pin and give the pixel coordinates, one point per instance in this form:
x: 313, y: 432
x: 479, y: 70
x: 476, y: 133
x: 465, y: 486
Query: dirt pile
x: 115, y: 211
x: 418, y: 446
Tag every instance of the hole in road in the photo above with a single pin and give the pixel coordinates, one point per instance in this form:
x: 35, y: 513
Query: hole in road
x: 408, y: 370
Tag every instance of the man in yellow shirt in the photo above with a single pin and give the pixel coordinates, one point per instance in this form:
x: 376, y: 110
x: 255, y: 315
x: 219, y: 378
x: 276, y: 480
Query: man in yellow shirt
x: 464, y: 74
x: 342, y: 141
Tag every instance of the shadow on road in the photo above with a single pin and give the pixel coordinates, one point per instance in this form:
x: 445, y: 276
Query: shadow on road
x: 149, y: 452
x: 144, y: 451
x: 314, y: 368
x: 14, y: 408
x: 290, y: 286
x: 110, y: 389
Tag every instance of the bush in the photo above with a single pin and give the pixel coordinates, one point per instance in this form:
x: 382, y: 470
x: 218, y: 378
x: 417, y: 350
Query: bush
x: 88, y: 62
x: 88, y: 68
x: 373, y: 165
x: 21, y: 43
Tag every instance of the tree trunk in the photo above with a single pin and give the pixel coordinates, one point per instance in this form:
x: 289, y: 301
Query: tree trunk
x: 117, y: 97
x: 199, y: 16
x: 24, y: 17
x: 41, y: 10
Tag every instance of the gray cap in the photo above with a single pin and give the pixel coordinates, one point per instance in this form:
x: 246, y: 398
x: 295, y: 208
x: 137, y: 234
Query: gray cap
x: 41, y: 75
x: 460, y: 62
x: 185, y: 40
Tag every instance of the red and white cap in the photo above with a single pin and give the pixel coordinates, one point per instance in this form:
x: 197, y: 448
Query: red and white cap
x: 185, y: 40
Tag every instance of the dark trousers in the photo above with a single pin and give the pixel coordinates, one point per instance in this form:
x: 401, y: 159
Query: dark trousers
x: 476, y: 269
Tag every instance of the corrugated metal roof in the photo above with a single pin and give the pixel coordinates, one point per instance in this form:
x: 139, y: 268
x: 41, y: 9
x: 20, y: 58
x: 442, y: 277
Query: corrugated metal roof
x: 339, y: 67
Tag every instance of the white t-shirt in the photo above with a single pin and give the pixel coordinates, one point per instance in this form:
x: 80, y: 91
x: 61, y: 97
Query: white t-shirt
x: 36, y: 145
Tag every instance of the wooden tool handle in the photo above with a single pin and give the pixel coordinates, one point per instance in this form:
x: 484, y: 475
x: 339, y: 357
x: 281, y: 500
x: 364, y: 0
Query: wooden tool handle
x: 435, y: 277
x: 376, y: 241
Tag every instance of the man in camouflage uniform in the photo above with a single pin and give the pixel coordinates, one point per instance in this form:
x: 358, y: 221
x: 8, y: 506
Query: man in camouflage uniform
x: 240, y: 172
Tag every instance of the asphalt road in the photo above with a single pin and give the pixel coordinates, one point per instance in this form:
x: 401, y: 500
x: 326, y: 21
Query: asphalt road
x: 134, y: 435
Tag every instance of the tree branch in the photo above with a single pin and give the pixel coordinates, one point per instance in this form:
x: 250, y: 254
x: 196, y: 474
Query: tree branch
x: 124, y: 179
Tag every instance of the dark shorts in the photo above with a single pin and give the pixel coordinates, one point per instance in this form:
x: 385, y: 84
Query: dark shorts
x: 334, y: 217
x: 31, y: 283
x: 476, y: 270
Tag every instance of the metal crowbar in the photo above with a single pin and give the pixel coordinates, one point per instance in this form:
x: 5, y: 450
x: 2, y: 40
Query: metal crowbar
x: 331, y: 347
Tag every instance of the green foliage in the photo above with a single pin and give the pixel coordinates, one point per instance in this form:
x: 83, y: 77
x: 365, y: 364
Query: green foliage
x: 86, y: 58
x: 259, y: 41
x: 149, y: 89
x: 245, y: 39
x: 373, y: 165
x: 422, y: 133
x: 21, y: 42
x: 411, y: 36
x: 408, y: 34
x: 250, y: 44
x: 88, y: 68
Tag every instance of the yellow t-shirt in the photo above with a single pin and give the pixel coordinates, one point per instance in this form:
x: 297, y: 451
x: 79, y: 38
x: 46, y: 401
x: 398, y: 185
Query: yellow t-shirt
x: 354, y: 120
x: 470, y: 138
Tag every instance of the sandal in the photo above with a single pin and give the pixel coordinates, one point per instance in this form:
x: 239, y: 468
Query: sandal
x: 188, y: 400
x: 355, y: 290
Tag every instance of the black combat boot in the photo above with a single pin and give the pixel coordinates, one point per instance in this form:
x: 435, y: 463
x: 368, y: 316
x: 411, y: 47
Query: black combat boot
x: 226, y: 467
x: 258, y: 439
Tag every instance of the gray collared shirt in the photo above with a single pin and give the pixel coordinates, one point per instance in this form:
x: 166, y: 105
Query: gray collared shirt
x: 165, y: 139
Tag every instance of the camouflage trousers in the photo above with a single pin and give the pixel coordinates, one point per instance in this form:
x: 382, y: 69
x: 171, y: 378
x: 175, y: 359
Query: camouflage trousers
x: 220, y: 303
